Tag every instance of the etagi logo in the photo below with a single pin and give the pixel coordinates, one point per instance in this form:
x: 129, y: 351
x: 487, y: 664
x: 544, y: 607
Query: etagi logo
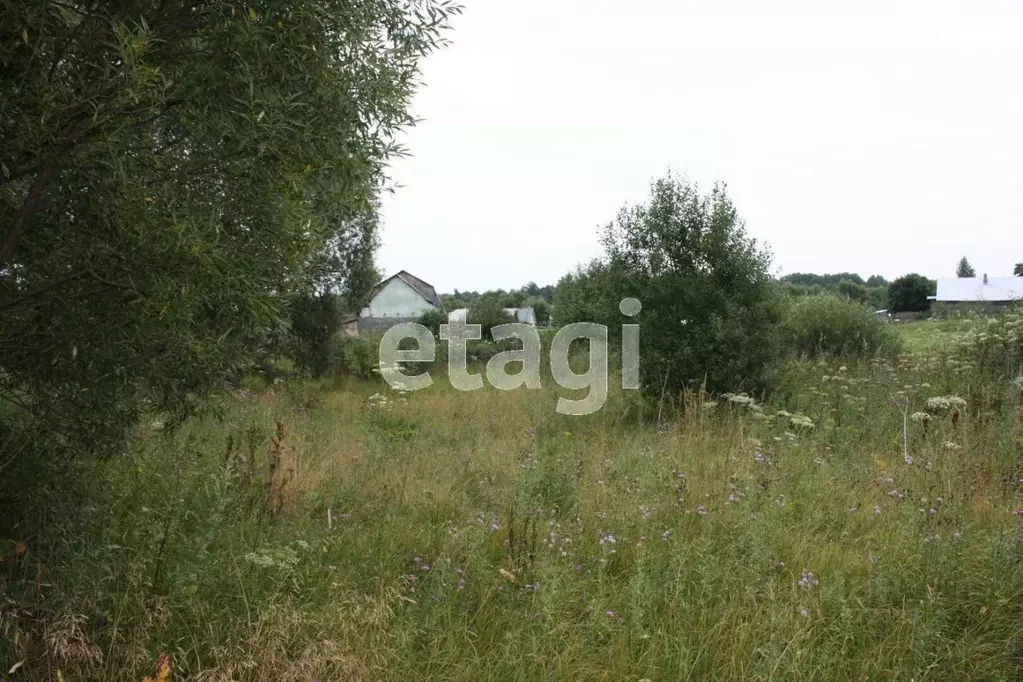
x: 594, y: 378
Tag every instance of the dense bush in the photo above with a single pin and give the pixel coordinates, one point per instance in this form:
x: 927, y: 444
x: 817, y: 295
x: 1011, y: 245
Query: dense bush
x: 314, y: 320
x: 432, y: 320
x: 828, y: 325
x: 709, y: 308
x: 482, y: 351
x: 352, y: 355
x: 488, y: 312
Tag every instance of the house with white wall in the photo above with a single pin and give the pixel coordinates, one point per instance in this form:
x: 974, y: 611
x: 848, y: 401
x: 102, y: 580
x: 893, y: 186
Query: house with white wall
x: 402, y: 297
x: 997, y: 290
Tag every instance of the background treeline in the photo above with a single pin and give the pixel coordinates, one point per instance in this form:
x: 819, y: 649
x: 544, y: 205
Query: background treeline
x: 873, y: 291
x: 541, y: 299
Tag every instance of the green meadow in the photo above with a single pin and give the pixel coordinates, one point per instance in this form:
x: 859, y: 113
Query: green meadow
x: 865, y: 522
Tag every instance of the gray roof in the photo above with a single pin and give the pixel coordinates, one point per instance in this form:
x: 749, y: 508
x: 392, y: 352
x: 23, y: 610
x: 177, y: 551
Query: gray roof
x: 424, y: 289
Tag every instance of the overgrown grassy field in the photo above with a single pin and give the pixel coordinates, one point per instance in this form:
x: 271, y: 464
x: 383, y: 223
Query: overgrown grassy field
x: 927, y: 335
x: 844, y: 531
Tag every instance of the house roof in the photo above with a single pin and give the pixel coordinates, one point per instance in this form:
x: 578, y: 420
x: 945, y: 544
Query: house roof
x: 424, y: 289
x: 985, y: 288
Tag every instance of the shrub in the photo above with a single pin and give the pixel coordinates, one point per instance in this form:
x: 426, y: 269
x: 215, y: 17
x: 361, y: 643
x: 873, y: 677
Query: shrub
x: 709, y: 306
x: 487, y: 312
x: 352, y: 355
x: 482, y: 351
x: 314, y: 320
x: 824, y: 324
x: 432, y: 320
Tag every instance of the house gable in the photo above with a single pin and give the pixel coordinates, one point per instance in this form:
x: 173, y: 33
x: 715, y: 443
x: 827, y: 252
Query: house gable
x: 401, y: 296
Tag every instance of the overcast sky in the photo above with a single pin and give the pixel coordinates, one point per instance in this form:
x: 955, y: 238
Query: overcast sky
x: 869, y: 136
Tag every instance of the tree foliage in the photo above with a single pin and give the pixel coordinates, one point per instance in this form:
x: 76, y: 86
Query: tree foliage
x: 432, y: 319
x: 488, y: 312
x: 847, y: 285
x: 1018, y: 270
x: 529, y: 295
x: 964, y: 269
x: 909, y: 293
x: 171, y: 173
x: 709, y: 310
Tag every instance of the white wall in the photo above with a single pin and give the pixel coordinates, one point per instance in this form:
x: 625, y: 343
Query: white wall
x: 397, y: 299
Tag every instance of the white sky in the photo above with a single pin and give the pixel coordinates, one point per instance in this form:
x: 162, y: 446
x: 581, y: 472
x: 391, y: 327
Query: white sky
x: 869, y: 136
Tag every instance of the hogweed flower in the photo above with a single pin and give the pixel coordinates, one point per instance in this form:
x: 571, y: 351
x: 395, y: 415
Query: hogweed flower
x: 944, y: 403
x: 801, y: 422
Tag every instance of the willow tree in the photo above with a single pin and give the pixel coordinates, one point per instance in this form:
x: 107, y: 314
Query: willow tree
x: 171, y: 171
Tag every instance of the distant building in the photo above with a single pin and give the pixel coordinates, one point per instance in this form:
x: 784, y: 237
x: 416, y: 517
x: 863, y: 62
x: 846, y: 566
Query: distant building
x: 402, y: 297
x: 525, y: 315
x: 998, y: 290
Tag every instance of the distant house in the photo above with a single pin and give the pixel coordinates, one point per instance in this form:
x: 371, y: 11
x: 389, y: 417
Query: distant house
x: 525, y: 315
x: 402, y: 297
x: 997, y: 290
